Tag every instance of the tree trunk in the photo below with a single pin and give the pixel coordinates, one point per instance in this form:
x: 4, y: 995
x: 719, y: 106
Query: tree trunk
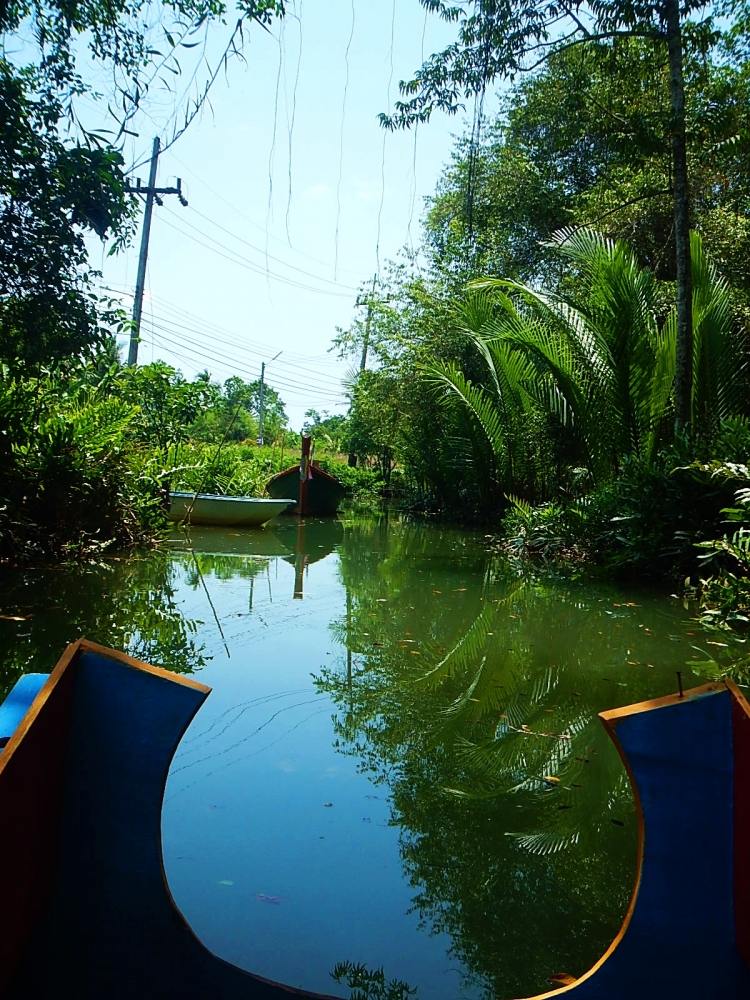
x: 683, y: 385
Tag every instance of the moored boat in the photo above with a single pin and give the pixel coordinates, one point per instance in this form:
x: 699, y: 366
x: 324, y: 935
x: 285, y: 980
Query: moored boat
x: 209, y: 508
x: 323, y: 492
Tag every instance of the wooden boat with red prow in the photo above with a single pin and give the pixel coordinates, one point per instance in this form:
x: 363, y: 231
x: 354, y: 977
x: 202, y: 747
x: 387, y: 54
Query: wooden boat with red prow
x: 318, y: 493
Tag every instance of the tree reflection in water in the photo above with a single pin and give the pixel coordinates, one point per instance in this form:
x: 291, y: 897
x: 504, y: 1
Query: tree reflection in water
x: 127, y: 604
x: 475, y: 705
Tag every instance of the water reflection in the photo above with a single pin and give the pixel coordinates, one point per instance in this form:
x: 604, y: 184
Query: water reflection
x: 127, y: 604
x: 229, y: 554
x: 440, y: 801
x: 472, y: 696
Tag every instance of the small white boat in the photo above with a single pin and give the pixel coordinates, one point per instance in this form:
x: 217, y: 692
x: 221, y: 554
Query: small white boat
x: 208, y: 508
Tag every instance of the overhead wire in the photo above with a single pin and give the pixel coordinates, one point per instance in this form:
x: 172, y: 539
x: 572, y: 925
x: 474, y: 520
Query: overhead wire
x: 272, y: 150
x: 413, y: 197
x: 262, y: 350
x: 197, y: 358
x: 165, y: 326
x: 290, y: 121
x: 347, y: 50
x: 201, y: 354
x: 318, y: 380
x: 228, y: 254
x: 385, y: 138
x: 236, y: 210
x: 252, y: 246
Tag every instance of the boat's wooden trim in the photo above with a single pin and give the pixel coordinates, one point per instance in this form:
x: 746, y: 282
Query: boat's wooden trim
x: 609, y: 722
x: 82, y: 787
x: 610, y: 719
x: 741, y: 747
x: 613, y: 715
x: 148, y: 668
x: 31, y: 779
x: 317, y: 473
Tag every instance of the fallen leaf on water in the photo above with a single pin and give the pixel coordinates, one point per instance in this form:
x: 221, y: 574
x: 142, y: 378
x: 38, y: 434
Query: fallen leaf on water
x: 562, y: 979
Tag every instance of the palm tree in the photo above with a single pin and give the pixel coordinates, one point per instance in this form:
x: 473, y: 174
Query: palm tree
x: 597, y: 361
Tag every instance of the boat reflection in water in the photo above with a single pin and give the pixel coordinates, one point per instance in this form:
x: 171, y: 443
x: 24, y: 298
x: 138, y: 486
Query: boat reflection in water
x: 229, y: 554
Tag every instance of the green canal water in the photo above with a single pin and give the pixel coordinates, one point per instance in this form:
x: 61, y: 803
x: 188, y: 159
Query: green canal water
x: 400, y: 763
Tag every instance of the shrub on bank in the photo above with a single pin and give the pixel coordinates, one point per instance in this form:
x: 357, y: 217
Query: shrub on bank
x: 70, y: 482
x: 659, y: 520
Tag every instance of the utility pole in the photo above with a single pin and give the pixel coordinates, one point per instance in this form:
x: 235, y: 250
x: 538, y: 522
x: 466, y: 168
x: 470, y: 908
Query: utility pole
x: 261, y: 409
x: 352, y: 461
x: 368, y: 320
x: 152, y: 193
x: 261, y: 400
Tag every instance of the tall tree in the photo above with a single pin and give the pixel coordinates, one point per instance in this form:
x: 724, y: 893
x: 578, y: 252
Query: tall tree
x: 502, y: 38
x: 59, y: 179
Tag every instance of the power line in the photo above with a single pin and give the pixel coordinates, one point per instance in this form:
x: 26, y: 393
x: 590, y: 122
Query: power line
x: 290, y: 126
x: 203, y: 355
x: 207, y: 327
x: 234, y: 258
x: 166, y: 326
x: 341, y: 142
x: 255, y: 225
x: 277, y: 260
x: 161, y: 343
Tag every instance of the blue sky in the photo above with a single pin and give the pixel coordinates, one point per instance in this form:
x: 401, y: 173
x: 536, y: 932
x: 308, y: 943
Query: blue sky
x: 210, y: 302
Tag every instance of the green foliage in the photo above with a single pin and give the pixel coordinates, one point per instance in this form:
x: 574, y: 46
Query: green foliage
x: 330, y: 430
x: 370, y: 984
x: 725, y: 593
x: 70, y: 479
x: 59, y: 180
x: 51, y: 193
x: 232, y: 470
x: 375, y: 419
x: 167, y: 403
x: 548, y: 531
x: 594, y: 364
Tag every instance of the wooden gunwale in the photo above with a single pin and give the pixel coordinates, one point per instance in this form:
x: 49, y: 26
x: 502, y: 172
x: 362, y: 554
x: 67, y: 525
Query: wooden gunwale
x: 609, y: 719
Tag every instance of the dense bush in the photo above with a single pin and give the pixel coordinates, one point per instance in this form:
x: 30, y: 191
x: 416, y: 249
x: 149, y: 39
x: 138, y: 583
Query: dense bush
x: 71, y: 482
x: 648, y: 521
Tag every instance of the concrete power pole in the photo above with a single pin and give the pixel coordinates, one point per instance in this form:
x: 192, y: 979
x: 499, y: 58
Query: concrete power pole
x: 261, y: 397
x: 352, y: 461
x: 152, y: 195
x: 261, y: 404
